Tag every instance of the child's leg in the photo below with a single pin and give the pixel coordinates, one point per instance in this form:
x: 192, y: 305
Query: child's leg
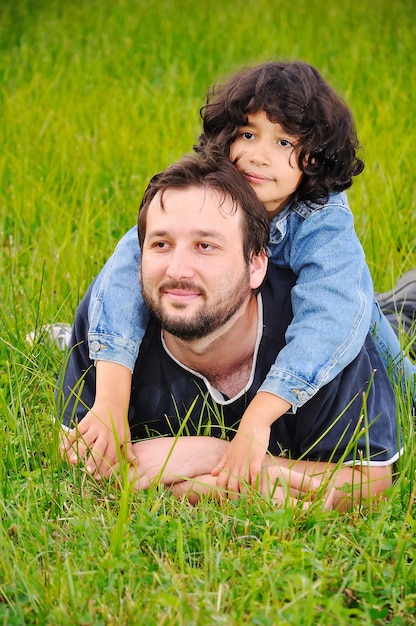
x: 390, y: 350
x: 399, y: 307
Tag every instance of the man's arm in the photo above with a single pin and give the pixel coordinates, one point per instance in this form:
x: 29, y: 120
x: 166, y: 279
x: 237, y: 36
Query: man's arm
x: 349, y: 484
x: 184, y: 464
x: 171, y: 460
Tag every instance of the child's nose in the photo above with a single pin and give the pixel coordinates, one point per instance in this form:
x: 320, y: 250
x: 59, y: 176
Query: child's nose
x: 260, y: 154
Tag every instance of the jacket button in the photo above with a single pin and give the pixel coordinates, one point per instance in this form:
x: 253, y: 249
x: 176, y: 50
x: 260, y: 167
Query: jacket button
x: 95, y: 346
x: 303, y: 396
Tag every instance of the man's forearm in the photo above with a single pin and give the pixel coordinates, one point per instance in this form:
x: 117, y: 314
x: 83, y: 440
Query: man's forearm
x: 184, y: 464
x: 173, y: 459
x: 351, y: 483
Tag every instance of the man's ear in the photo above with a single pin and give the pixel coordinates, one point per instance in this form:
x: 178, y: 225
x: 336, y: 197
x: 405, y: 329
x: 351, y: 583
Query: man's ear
x: 258, y: 269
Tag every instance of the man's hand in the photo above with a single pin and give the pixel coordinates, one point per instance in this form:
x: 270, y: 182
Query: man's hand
x: 99, y: 440
x: 285, y: 485
x: 244, y: 458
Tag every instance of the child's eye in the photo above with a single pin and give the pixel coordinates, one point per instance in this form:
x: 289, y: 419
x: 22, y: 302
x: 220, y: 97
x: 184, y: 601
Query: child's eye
x: 246, y: 135
x: 285, y: 143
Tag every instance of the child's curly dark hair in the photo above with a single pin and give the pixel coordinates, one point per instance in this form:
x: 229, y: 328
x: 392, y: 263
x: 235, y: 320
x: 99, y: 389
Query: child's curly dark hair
x: 296, y: 96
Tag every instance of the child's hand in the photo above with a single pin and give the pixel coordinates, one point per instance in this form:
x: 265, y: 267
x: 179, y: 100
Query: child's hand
x: 99, y: 440
x: 242, y: 463
x: 102, y: 437
x: 245, y: 455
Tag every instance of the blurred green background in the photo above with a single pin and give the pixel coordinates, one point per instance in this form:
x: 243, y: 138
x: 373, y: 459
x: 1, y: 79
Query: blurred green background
x: 96, y: 96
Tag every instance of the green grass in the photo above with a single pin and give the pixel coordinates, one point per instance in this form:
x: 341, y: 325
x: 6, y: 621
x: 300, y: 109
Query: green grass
x: 95, y: 97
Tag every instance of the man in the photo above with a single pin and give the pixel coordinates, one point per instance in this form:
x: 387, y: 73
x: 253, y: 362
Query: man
x: 219, y: 316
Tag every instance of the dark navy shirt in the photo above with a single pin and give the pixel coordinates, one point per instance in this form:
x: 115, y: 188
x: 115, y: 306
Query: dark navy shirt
x: 351, y: 418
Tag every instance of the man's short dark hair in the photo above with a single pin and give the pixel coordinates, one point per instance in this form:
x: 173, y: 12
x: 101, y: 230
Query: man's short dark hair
x: 218, y: 174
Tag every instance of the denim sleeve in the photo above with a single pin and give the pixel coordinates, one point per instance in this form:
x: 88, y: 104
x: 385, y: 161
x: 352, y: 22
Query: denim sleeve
x: 117, y: 314
x: 331, y: 301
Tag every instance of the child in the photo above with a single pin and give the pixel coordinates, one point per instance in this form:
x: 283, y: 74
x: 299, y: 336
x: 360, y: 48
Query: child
x: 293, y: 139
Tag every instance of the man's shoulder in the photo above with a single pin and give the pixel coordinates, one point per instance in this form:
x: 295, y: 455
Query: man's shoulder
x: 277, y: 301
x: 278, y: 282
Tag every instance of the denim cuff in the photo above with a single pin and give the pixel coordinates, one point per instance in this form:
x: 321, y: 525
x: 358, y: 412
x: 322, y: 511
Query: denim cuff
x: 112, y: 348
x: 290, y: 387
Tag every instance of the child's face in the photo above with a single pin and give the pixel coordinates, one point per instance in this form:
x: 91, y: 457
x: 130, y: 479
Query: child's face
x: 266, y: 155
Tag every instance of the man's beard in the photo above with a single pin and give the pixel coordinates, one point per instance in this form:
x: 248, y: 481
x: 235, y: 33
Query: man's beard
x: 208, y: 318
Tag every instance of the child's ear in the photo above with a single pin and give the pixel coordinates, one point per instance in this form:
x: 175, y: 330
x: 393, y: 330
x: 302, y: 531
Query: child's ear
x: 258, y: 269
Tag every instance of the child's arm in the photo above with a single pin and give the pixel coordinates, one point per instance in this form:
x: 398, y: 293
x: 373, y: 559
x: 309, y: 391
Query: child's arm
x: 117, y: 322
x: 332, y: 306
x: 103, y: 435
x: 117, y: 314
x: 245, y: 455
x: 332, y: 303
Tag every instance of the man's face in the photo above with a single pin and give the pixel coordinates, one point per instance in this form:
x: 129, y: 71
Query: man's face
x: 193, y: 272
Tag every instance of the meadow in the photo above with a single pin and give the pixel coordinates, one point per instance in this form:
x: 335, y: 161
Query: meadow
x: 95, y: 97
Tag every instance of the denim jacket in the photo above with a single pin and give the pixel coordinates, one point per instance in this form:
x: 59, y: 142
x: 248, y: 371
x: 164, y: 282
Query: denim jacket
x: 332, y: 300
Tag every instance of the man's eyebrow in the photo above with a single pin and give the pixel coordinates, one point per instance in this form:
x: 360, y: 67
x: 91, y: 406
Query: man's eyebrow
x: 214, y: 234
x: 157, y: 233
x: 200, y: 233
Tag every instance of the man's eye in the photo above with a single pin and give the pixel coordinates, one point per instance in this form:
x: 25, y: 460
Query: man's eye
x: 205, y: 246
x: 160, y: 245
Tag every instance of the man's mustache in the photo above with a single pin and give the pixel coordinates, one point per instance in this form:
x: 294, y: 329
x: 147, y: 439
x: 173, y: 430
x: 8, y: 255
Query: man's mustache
x: 183, y: 285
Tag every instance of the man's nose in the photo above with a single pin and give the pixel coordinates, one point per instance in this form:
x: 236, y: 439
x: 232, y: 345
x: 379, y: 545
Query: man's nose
x: 180, y: 264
